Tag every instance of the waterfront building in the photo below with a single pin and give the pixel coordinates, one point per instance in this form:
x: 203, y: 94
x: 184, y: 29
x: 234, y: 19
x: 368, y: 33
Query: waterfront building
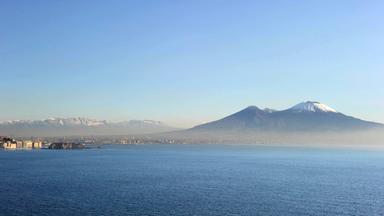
x: 27, y: 144
x: 19, y: 144
x: 9, y: 143
x: 37, y: 144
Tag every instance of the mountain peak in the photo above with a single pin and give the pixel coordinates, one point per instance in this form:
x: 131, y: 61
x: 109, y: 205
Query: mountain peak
x: 252, y: 108
x: 312, y: 106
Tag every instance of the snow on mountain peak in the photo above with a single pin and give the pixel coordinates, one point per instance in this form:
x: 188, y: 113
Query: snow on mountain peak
x: 57, y: 122
x: 312, y: 106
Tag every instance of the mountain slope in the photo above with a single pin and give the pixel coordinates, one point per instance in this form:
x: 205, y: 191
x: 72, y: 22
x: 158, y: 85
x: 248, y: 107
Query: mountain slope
x: 250, y: 117
x: 306, y: 116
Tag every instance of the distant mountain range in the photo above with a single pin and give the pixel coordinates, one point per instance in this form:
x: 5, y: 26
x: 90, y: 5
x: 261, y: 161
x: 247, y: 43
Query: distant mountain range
x: 80, y: 127
x: 306, y: 116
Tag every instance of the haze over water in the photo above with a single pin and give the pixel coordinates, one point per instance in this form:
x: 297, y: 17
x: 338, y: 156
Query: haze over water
x: 304, y: 74
x: 192, y: 180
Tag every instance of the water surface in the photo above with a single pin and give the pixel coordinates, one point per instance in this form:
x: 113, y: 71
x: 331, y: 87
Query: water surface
x: 192, y: 180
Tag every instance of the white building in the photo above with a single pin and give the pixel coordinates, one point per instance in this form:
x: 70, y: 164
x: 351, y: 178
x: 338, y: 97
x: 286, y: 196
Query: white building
x: 27, y: 144
x: 37, y: 144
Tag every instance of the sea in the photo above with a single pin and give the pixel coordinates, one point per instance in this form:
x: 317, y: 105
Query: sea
x: 192, y: 180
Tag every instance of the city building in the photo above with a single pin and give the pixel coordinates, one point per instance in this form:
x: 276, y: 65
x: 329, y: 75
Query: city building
x: 27, y: 144
x: 9, y: 143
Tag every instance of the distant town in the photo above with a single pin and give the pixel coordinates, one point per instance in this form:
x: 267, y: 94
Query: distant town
x: 10, y: 143
x: 78, y: 142
x: 13, y: 144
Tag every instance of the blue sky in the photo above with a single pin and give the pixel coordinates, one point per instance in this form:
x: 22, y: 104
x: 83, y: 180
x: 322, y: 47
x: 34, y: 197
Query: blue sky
x: 188, y: 62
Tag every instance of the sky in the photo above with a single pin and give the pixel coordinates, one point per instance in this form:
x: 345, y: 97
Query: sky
x: 188, y: 62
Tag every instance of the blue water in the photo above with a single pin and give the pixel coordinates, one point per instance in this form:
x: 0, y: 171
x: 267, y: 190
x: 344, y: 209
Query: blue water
x: 192, y: 180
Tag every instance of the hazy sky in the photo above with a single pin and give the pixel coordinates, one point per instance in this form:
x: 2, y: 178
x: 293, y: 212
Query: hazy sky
x: 187, y: 62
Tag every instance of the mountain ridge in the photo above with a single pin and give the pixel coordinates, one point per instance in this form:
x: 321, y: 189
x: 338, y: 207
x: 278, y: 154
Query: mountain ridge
x: 306, y: 116
x: 81, y: 121
x: 79, y: 126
